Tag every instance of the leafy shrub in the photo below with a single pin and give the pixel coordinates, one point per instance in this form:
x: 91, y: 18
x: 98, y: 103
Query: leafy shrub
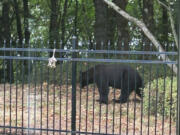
x: 160, y: 96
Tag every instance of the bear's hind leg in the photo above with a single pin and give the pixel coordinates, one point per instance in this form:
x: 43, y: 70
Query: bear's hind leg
x: 125, y: 91
x: 103, y: 93
x: 124, y: 96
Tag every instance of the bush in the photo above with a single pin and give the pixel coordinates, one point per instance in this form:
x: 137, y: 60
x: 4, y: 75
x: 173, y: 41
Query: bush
x: 158, y: 92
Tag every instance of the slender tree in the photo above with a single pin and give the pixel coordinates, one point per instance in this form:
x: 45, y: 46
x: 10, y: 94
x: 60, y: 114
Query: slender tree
x: 54, y: 25
x: 26, y: 22
x: 63, y: 21
x: 148, y: 14
x: 122, y: 27
x: 165, y: 26
x: 6, y: 37
x: 18, y: 23
x: 28, y: 67
x: 100, y: 31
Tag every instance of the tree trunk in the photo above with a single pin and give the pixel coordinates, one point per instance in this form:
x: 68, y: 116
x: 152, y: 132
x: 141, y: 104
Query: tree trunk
x: 26, y: 22
x: 7, y: 35
x: 18, y: 23
x: 122, y: 27
x: 165, y: 28
x: 100, y: 32
x: 111, y: 27
x: 1, y: 31
x: 63, y: 27
x: 148, y: 15
x: 54, y: 25
x: 27, y: 63
x: 104, y: 27
x: 170, y: 15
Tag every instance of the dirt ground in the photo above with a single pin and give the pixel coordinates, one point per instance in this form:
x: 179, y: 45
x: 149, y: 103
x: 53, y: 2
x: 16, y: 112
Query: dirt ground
x: 49, y: 106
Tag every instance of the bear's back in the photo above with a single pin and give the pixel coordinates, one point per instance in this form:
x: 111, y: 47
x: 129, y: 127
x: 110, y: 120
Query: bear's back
x: 116, y: 73
x: 114, y: 69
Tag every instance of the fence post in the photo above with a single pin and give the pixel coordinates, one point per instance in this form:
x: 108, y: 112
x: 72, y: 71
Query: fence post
x: 73, y: 113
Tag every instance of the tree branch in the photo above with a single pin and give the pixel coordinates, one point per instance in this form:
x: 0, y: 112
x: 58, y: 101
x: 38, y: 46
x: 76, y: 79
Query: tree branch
x: 146, y: 31
x: 171, y: 21
x: 164, y: 5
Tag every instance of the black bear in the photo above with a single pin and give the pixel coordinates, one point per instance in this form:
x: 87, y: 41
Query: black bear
x: 118, y: 76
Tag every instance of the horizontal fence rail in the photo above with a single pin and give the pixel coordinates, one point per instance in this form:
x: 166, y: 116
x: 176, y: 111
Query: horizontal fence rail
x: 91, y: 60
x: 55, y: 130
x: 87, y: 59
x: 87, y: 51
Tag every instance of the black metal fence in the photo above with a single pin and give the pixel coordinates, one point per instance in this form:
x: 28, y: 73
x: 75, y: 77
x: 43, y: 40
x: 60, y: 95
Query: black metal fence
x: 36, y: 99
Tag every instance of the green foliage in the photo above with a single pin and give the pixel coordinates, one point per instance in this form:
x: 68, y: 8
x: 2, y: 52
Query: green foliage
x: 39, y: 20
x: 160, y: 96
x: 150, y: 72
x: 132, y: 8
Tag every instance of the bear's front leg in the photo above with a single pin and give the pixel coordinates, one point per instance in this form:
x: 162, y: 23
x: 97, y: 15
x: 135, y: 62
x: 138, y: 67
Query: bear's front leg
x: 123, y: 97
x: 103, y: 94
x: 120, y: 100
x: 103, y: 88
x: 103, y: 99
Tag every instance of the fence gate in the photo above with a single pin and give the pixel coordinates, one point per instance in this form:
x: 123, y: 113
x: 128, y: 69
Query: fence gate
x: 80, y: 95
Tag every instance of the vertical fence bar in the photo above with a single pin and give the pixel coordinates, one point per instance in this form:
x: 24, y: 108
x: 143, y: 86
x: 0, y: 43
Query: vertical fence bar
x: 149, y: 92
x: 142, y: 93
x: 54, y: 102
x: 164, y: 92
x: 47, y: 102
x: 60, y: 95
x: 157, y: 87
x: 134, y: 124
x: 22, y: 79
x: 16, y: 88
x: 67, y: 91
x: 80, y: 98
x: 29, y: 89
x: 171, y: 96
x: 178, y: 106
x: 35, y: 92
x: 4, y: 114
x: 47, y: 97
x: 128, y: 93
x: 107, y: 84
x: 87, y: 92
x: 94, y: 87
x: 41, y: 89
x: 54, y: 87
x: 73, y: 115
x: 120, y: 106
x: 10, y: 89
x: 114, y: 97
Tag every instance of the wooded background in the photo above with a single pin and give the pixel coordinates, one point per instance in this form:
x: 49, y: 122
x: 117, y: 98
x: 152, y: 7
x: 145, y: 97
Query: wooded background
x: 24, y: 23
x: 58, y: 20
